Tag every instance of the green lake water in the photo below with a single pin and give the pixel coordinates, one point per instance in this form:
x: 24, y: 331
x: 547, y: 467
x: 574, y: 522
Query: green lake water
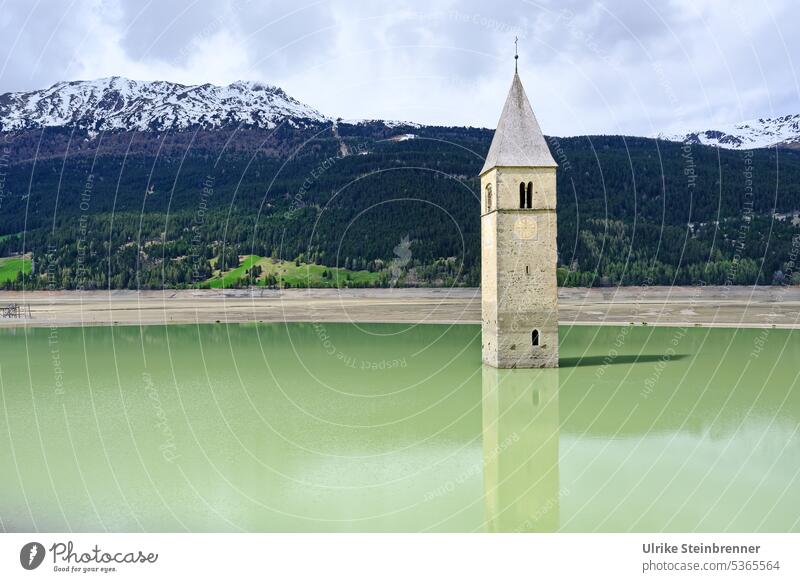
x: 342, y: 427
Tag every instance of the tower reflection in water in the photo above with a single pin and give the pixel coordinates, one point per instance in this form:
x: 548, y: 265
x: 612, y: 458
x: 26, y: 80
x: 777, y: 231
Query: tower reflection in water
x: 520, y: 449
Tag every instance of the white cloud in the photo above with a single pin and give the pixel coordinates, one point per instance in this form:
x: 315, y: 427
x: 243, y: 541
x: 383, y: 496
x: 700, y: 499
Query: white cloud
x: 618, y: 67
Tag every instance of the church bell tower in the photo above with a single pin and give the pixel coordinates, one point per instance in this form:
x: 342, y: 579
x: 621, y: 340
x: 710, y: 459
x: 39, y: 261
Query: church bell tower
x: 519, y: 297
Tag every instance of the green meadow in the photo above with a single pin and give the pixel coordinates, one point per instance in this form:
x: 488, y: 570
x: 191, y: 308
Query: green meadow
x: 11, y: 266
x: 290, y: 274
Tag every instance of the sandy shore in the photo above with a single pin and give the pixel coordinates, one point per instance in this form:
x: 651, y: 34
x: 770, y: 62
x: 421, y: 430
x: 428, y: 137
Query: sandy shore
x: 676, y: 306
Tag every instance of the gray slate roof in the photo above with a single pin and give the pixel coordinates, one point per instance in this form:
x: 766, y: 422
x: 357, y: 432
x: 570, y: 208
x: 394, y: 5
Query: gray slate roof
x: 518, y: 140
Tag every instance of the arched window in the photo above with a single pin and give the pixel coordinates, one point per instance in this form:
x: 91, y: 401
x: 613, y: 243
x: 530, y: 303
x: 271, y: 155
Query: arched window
x: 535, y: 337
x: 529, y: 198
x: 488, y: 197
x: 522, y: 194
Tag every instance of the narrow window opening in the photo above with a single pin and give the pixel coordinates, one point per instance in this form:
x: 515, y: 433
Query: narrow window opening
x: 522, y: 194
x: 488, y: 197
x: 529, y: 198
x: 535, y: 337
x: 527, y: 270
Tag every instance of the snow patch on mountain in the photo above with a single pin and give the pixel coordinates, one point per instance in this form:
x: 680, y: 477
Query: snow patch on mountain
x: 757, y: 133
x: 389, y: 123
x: 116, y: 103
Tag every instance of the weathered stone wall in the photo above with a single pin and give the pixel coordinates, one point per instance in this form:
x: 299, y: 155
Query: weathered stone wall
x: 519, y: 293
x: 489, y: 286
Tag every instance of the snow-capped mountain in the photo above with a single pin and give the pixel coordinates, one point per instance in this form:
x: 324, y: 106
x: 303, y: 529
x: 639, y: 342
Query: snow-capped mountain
x: 116, y: 103
x: 756, y: 133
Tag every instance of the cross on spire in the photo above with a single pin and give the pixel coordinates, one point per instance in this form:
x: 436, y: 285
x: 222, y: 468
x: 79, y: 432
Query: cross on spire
x: 516, y: 53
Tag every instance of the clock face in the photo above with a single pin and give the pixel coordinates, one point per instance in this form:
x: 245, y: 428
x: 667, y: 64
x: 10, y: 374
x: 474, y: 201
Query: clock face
x: 525, y: 228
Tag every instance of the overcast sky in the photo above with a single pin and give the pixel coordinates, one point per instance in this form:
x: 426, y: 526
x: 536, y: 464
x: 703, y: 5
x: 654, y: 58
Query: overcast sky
x: 620, y: 66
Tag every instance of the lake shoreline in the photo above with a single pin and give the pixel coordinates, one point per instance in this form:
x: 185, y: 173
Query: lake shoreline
x: 751, y: 307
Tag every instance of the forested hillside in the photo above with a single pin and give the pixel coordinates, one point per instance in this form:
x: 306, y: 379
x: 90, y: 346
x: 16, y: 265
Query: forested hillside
x: 148, y: 209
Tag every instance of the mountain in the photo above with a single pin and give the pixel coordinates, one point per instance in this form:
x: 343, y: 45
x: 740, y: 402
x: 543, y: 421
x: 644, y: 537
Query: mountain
x: 756, y: 133
x: 141, y: 207
x: 116, y: 103
x: 120, y: 104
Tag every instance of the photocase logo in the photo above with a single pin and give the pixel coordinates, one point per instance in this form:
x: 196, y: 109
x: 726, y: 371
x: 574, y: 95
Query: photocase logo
x: 31, y: 555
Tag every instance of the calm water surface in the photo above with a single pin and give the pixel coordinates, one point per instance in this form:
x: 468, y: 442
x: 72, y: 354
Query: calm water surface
x: 340, y: 427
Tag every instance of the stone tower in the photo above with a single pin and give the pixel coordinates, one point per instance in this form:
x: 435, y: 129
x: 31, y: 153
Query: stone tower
x: 518, y: 242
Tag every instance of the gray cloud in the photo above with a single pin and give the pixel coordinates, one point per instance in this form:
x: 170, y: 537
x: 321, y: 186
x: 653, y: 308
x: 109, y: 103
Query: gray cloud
x: 622, y: 66
x: 160, y: 30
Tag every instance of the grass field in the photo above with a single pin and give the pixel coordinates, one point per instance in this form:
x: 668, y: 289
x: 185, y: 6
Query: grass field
x: 10, y: 266
x: 228, y: 278
x: 289, y: 274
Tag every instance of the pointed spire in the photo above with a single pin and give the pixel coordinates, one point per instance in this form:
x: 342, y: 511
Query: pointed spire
x: 518, y: 140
